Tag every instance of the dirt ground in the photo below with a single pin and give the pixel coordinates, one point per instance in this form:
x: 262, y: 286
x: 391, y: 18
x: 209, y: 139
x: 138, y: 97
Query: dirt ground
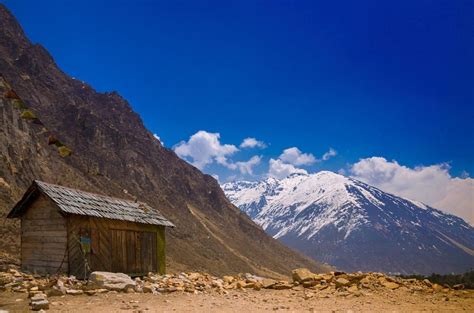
x: 251, y: 301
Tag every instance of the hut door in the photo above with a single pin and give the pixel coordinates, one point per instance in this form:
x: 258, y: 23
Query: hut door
x: 133, y: 252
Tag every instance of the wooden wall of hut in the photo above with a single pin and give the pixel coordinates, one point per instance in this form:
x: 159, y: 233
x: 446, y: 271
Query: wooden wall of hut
x: 44, y: 238
x: 97, y: 244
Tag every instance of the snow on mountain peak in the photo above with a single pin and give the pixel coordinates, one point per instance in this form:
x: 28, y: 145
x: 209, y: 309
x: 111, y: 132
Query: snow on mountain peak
x: 331, y: 210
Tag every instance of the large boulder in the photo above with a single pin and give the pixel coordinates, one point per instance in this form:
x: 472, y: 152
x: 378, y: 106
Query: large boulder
x: 112, y: 281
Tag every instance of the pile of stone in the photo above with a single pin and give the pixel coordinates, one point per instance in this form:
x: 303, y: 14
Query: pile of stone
x: 355, y: 284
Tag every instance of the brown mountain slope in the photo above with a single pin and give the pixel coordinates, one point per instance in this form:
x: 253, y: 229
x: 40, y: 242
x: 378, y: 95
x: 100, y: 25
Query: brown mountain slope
x: 113, y: 152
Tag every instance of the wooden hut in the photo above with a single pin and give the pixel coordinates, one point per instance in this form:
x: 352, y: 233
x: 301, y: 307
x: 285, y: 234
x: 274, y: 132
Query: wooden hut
x: 65, y: 230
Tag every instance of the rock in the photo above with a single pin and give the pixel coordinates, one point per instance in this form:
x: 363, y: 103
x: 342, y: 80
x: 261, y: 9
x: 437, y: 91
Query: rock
x: 40, y: 305
x: 458, y: 287
x: 194, y: 276
x: 342, y: 282
x: 5, y: 278
x: 282, y: 285
x: 310, y: 283
x: 244, y: 284
x: 38, y: 297
x: 437, y: 287
x: 268, y: 283
x: 148, y: 289
x: 74, y: 292
x: 353, y: 289
x: 55, y: 292
x: 228, y: 279
x: 427, y: 282
x: 390, y: 285
x: 39, y: 302
x: 302, y: 274
x: 31, y: 293
x: 112, y: 281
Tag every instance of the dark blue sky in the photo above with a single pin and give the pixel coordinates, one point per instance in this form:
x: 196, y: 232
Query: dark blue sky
x: 368, y: 78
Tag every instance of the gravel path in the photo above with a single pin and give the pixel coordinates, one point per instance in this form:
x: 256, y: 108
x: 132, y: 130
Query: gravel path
x: 244, y: 301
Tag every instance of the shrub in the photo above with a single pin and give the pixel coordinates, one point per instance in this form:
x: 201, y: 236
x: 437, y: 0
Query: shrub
x: 29, y: 115
x: 64, y: 151
x: 19, y: 104
x: 11, y: 94
x: 467, y: 279
x: 52, y: 140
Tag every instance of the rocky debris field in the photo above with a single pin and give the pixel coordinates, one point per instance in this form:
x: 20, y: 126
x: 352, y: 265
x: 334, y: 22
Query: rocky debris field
x: 56, y: 291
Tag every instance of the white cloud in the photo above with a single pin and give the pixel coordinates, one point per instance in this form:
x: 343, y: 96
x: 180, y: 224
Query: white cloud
x: 280, y: 169
x: 288, y: 162
x: 247, y: 166
x: 432, y: 184
x: 244, y: 167
x: 159, y: 139
x: 296, y: 157
x: 252, y: 143
x: 329, y: 154
x: 204, y: 148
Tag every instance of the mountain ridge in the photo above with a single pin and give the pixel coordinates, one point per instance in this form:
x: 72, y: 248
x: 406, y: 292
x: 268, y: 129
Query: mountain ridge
x: 355, y: 226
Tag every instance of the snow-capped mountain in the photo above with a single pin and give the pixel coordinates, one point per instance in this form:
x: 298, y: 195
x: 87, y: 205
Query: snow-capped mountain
x: 354, y: 226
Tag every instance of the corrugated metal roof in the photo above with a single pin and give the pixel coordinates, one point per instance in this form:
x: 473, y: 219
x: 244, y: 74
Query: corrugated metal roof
x: 75, y: 201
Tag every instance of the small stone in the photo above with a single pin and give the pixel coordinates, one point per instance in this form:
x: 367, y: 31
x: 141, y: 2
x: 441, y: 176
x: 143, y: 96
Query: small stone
x: 437, y: 287
x: 228, y: 279
x: 55, y: 292
x: 268, y: 283
x: 342, y: 282
x: 390, y: 285
x: 74, y: 292
x: 282, y: 285
x: 40, y: 305
x: 38, y: 297
x: 302, y: 274
x: 458, y: 287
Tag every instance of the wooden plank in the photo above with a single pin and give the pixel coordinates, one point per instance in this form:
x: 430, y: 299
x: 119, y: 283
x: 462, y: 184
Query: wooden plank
x: 36, y: 239
x: 43, y: 221
x: 46, y: 233
x: 76, y: 257
x: 138, y: 252
x: 124, y: 225
x: 159, y: 255
x: 43, y: 269
x: 49, y: 263
x: 42, y: 245
x: 123, y: 247
x: 43, y: 228
x: 46, y: 252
